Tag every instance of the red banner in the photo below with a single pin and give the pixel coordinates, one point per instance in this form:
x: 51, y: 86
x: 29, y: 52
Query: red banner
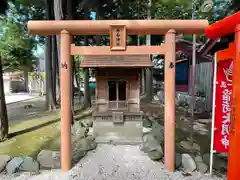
x: 222, y: 105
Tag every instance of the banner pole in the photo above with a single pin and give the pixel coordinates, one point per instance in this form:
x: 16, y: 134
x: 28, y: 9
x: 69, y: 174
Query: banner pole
x: 213, y: 113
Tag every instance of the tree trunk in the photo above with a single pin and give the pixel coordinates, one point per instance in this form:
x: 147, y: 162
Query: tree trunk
x: 58, y: 15
x: 73, y: 84
x: 149, y: 84
x: 54, y: 73
x: 69, y: 10
x: 77, y: 79
x: 50, y: 104
x: 26, y: 79
x: 58, y: 88
x: 143, y: 78
x: 149, y: 79
x: 47, y: 55
x: 3, y: 109
x: 70, y: 17
x: 87, y: 96
x: 98, y: 17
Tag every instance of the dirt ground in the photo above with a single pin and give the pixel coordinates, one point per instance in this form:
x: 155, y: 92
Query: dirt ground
x: 32, y: 129
x: 20, y: 111
x: 17, y: 112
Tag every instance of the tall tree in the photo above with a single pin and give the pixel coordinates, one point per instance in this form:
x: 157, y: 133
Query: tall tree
x: 58, y: 15
x: 69, y: 16
x: 15, y: 53
x: 3, y: 108
x: 16, y: 45
x: 87, y: 94
x: 49, y: 52
x: 54, y: 67
x: 148, y: 72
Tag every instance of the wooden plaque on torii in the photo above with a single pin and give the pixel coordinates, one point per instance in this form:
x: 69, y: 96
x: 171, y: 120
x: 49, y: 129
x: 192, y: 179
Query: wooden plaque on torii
x: 118, y: 37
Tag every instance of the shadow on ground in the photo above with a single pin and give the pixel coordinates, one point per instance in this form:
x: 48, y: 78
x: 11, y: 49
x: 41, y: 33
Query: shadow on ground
x: 11, y: 135
x: 17, y: 112
x: 33, y: 129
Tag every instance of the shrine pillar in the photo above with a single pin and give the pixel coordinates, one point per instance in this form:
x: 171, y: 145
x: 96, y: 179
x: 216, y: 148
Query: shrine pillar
x: 66, y: 100
x: 169, y: 99
x: 234, y: 158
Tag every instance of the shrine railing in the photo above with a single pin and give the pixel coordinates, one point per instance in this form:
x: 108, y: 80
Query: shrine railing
x: 117, y: 105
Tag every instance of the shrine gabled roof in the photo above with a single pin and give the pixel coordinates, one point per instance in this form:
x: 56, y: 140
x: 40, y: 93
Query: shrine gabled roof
x: 185, y: 47
x: 125, y: 61
x: 214, y: 45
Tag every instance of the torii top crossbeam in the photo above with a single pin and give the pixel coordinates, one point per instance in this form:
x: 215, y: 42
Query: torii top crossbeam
x: 101, y: 27
x: 223, y: 27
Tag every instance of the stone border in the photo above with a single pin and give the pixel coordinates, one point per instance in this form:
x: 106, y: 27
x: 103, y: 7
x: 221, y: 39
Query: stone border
x: 47, y: 159
x: 188, y: 158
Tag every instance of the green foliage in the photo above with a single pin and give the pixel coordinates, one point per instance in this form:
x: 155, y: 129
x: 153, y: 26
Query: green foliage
x: 131, y: 9
x: 3, y: 7
x: 79, y: 71
x: 221, y: 9
x: 30, y: 2
x: 37, y: 76
x: 15, y: 44
x: 172, y: 9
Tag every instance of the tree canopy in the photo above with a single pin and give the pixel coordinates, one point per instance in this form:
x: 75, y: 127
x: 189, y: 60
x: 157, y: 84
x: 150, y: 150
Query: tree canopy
x: 16, y: 46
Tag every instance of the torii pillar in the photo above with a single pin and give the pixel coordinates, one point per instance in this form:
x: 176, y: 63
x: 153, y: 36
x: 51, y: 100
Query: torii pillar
x: 229, y: 25
x: 67, y: 28
x: 66, y: 100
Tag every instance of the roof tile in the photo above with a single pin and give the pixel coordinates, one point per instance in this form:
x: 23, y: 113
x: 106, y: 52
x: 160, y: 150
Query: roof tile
x: 117, y: 61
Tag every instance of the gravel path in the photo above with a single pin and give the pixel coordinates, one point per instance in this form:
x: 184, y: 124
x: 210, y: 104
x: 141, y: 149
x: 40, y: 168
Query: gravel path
x: 109, y: 162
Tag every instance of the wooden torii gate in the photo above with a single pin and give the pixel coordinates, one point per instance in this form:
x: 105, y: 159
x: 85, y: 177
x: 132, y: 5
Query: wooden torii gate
x: 118, y: 30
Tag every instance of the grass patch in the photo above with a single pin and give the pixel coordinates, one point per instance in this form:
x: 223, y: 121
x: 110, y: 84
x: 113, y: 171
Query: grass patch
x: 29, y: 137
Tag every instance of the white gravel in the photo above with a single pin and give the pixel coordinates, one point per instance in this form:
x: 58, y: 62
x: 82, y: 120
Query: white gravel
x: 109, y: 162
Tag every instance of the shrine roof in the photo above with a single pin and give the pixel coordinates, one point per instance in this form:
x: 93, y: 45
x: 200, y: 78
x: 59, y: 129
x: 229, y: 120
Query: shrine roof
x: 125, y: 61
x: 214, y: 45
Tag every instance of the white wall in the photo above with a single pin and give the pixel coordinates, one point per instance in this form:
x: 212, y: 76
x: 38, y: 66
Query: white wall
x: 6, y: 83
x: 41, y: 64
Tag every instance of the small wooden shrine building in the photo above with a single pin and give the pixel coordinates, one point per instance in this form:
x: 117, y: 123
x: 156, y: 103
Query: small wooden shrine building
x: 117, y: 115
